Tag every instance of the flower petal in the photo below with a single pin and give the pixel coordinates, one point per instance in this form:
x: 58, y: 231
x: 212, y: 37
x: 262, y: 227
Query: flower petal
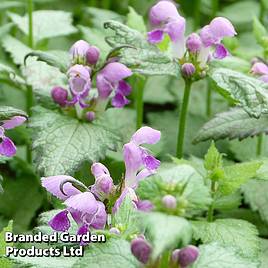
x: 124, y: 87
x: 155, y: 36
x: 82, y: 231
x: 145, y: 205
x: 259, y: 68
x: 146, y: 135
x: 100, y: 218
x: 176, y: 29
x: 207, y: 36
x: 221, y: 27
x: 105, y: 88
x: 7, y: 147
x: 52, y: 185
x: 83, y: 202
x: 115, y: 71
x: 98, y: 169
x: 79, y: 70
x: 119, y: 100
x: 220, y: 52
x: 151, y: 163
x: 13, y: 122
x: 60, y: 222
x: 264, y: 78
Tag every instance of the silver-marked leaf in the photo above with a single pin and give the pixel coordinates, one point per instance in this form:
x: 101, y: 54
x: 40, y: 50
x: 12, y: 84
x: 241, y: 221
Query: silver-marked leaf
x: 138, y: 54
x: 16, y: 49
x: 47, y: 23
x: 6, y: 112
x: 55, y: 58
x: 229, y: 233
x: 166, y: 231
x: 233, y: 124
x: 114, y: 253
x: 62, y: 144
x: 243, y: 90
x: 233, y: 63
x: 214, y: 255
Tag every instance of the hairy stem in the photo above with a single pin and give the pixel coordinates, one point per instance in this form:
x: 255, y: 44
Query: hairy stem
x: 182, y: 118
x: 209, y: 93
x: 259, y: 145
x: 211, y: 207
x: 140, y: 83
x: 29, y: 92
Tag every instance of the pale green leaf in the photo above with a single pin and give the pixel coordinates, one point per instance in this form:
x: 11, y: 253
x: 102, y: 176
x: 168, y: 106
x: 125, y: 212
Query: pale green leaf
x: 237, y: 175
x: 166, y: 231
x: 256, y: 195
x: 233, y: 63
x: 243, y: 90
x: 264, y: 253
x: 47, y: 24
x: 11, y: 4
x: 138, y: 54
x: 229, y: 233
x: 64, y: 143
x: 135, y: 21
x: 259, y: 31
x: 214, y: 255
x: 6, y: 112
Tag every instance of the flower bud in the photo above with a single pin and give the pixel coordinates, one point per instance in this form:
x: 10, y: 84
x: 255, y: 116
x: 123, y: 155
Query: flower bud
x: 115, y: 231
x: 59, y: 95
x: 90, y: 116
x: 194, y: 43
x: 141, y: 249
x: 92, y: 55
x: 188, y: 69
x: 103, y: 187
x: 185, y: 256
x: 169, y: 201
x: 145, y: 205
x: 78, y: 51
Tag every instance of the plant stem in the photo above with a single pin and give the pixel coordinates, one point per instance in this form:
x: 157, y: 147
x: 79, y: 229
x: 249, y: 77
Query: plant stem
x: 197, y: 14
x: 140, y: 83
x: 259, y: 145
x: 209, y: 92
x: 211, y: 207
x: 182, y: 118
x: 29, y: 93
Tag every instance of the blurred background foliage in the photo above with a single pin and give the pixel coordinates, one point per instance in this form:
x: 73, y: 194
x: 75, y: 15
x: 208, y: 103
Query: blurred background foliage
x: 23, y: 198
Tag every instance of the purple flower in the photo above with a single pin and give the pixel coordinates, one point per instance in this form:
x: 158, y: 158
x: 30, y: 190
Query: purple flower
x: 165, y: 18
x: 111, y: 78
x: 78, y: 51
x: 92, y: 55
x: 59, y: 95
x: 141, y: 249
x: 144, y: 205
x: 212, y: 35
x: 82, y: 206
x: 138, y: 161
x: 187, y: 69
x: 169, y: 201
x: 185, y: 256
x: 259, y: 68
x: 7, y: 147
x: 193, y: 43
x: 80, y: 83
x: 103, y: 182
x: 90, y: 116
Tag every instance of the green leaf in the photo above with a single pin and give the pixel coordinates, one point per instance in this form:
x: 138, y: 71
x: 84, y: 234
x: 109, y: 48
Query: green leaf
x: 259, y: 31
x: 264, y: 253
x: 135, y: 21
x: 166, y: 231
x: 47, y: 24
x: 233, y: 63
x: 9, y: 74
x: 214, y: 255
x: 256, y: 195
x: 66, y: 143
x: 5, y: 263
x: 236, y: 175
x: 16, y: 48
x: 114, y: 253
x: 170, y: 179
x: 138, y: 54
x: 55, y: 58
x: 233, y: 124
x: 229, y: 233
x: 213, y: 163
x: 125, y: 219
x: 6, y: 112
x: 5, y: 29
x: 243, y: 90
x: 228, y: 202
x: 11, y: 4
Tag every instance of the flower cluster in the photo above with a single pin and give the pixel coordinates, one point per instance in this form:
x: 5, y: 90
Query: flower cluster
x: 86, y: 204
x: 7, y: 147
x: 109, y: 81
x: 196, y: 50
x: 260, y: 69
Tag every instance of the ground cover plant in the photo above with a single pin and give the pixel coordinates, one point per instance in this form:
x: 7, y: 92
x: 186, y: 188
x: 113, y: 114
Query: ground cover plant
x: 142, y: 122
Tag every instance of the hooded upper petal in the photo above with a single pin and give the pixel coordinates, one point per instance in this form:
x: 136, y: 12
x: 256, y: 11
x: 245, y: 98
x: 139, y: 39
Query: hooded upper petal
x: 13, y: 122
x: 259, y: 68
x: 176, y: 29
x: 79, y: 70
x: 146, y: 135
x: 79, y: 48
x: 98, y: 169
x: 100, y: 218
x: 115, y: 71
x: 221, y: 27
x: 52, y: 185
x: 83, y: 202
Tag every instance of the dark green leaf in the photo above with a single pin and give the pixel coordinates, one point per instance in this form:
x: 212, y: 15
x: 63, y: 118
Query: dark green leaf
x: 5, y: 263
